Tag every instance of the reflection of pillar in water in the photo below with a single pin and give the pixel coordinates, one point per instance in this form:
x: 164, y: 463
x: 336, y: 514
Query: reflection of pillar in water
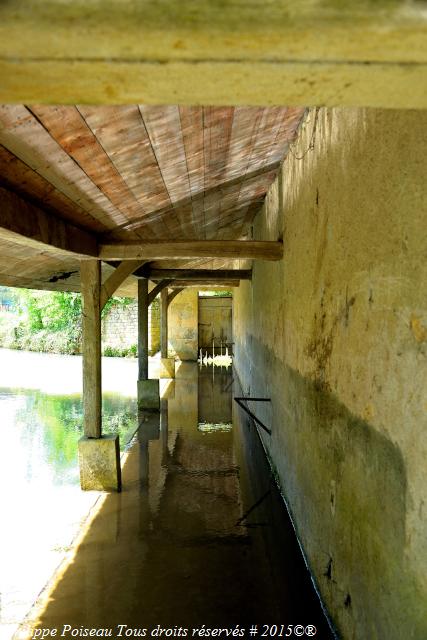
x: 143, y: 459
x: 164, y: 429
x: 148, y: 431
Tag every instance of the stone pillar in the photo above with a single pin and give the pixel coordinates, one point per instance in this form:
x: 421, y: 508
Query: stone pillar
x: 167, y: 365
x: 99, y: 457
x: 148, y: 390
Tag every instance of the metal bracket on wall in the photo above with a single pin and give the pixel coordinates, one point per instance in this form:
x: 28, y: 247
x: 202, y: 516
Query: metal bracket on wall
x: 240, y: 401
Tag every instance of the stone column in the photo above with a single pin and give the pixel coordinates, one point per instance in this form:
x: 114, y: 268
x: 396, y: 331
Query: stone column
x: 167, y: 365
x: 99, y: 457
x: 148, y: 390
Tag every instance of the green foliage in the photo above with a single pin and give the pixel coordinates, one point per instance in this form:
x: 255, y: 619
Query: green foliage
x: 51, y: 321
x: 116, y: 352
x: 59, y: 425
x: 115, y: 302
x: 133, y: 351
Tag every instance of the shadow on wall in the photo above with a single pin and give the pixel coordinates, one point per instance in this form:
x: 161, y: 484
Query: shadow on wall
x: 333, y: 342
x: 351, y: 503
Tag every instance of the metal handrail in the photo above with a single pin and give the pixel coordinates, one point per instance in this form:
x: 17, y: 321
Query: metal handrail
x: 240, y: 400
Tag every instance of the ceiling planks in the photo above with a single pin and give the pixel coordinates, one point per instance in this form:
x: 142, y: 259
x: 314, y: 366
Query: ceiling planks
x: 19, y: 177
x: 26, y: 138
x: 122, y: 133
x: 135, y: 173
x: 69, y: 129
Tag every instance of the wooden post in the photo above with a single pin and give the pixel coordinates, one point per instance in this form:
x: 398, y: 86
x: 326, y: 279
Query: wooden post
x: 142, y: 329
x: 90, y: 273
x: 164, y: 325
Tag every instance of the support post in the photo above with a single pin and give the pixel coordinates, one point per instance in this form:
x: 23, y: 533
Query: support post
x: 167, y: 365
x: 148, y: 390
x: 90, y: 271
x: 99, y: 457
x: 142, y: 329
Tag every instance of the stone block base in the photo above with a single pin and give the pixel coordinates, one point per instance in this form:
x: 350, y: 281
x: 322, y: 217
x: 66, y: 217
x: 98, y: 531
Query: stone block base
x: 148, y: 394
x: 167, y: 368
x: 99, y: 461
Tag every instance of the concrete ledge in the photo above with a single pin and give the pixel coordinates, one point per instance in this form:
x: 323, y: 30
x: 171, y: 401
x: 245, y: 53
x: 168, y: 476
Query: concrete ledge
x: 167, y: 368
x: 99, y: 461
x: 148, y: 394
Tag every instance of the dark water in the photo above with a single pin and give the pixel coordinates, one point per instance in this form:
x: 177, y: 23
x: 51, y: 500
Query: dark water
x: 199, y: 535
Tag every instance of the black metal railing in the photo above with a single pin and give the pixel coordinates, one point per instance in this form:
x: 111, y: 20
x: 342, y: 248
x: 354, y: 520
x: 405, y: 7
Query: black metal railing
x: 240, y: 401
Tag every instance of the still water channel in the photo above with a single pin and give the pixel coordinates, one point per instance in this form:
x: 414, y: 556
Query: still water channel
x: 42, y: 506
x: 199, y: 534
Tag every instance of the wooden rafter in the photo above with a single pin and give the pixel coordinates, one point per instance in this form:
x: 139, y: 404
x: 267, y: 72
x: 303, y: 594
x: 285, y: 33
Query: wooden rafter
x: 172, y: 295
x: 157, y: 289
x: 163, y: 249
x: 26, y: 224
x: 205, y: 275
x: 113, y: 282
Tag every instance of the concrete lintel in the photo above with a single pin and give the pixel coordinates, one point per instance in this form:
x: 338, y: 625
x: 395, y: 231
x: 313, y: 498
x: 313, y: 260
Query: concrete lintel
x: 99, y: 460
x: 148, y: 394
x: 167, y: 368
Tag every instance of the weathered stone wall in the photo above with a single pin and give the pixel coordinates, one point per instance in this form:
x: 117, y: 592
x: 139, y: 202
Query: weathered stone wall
x: 120, y: 327
x: 215, y: 323
x: 338, y: 340
x: 183, y: 325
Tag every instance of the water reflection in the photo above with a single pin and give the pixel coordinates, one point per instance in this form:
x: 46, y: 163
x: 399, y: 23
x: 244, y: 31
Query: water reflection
x: 45, y: 429
x: 199, y: 534
x: 42, y: 506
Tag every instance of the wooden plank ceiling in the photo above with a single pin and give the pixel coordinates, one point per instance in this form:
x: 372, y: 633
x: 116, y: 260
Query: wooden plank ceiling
x: 138, y: 172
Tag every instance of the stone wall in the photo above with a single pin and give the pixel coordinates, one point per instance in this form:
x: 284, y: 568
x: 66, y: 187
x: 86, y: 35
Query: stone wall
x: 120, y: 328
x: 183, y: 325
x: 338, y: 340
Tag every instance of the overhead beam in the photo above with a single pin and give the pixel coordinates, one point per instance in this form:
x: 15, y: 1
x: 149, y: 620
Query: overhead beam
x: 204, y: 275
x: 24, y: 223
x: 204, y: 284
x: 113, y: 282
x: 254, y: 53
x: 164, y: 249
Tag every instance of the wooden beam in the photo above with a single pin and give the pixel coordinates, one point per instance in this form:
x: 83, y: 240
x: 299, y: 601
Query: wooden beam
x: 174, y: 293
x: 113, y: 282
x: 142, y: 329
x: 163, y: 249
x: 204, y: 284
x: 254, y: 53
x: 28, y: 225
x: 157, y: 289
x: 205, y: 275
x: 164, y: 324
x: 90, y: 273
